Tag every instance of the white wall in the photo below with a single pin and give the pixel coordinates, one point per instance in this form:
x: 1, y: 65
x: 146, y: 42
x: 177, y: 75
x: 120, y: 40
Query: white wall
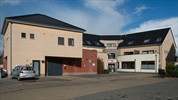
x: 137, y: 59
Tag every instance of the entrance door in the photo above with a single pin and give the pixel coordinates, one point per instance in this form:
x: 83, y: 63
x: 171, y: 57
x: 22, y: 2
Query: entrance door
x: 36, y: 65
x: 54, y: 69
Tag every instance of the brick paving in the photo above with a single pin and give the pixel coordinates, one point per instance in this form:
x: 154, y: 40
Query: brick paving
x: 70, y: 87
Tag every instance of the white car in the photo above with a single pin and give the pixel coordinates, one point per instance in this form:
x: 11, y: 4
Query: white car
x: 22, y: 72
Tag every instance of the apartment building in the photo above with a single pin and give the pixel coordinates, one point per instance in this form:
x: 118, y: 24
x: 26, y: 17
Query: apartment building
x: 54, y: 47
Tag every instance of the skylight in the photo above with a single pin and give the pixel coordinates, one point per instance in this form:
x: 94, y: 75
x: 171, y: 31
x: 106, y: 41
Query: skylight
x: 159, y: 39
x: 97, y: 43
x: 130, y: 43
x: 147, y: 41
x: 88, y: 42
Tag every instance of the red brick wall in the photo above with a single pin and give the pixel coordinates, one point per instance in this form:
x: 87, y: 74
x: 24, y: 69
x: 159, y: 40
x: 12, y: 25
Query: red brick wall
x: 88, y: 63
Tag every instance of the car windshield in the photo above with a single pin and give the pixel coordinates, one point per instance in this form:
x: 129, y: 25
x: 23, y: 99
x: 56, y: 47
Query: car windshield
x: 27, y: 68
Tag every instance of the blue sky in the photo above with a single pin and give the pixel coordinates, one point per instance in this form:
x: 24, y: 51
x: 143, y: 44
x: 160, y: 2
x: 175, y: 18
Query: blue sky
x: 100, y: 16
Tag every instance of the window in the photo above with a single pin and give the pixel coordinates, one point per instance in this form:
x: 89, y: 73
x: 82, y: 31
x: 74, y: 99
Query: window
x: 148, y: 52
x: 111, y: 56
x: 128, y: 65
x: 71, y: 42
x: 32, y: 36
x: 23, y: 35
x: 97, y: 43
x: 111, y: 44
x: 159, y: 39
x: 88, y: 42
x: 128, y: 53
x: 60, y: 40
x: 147, y: 41
x: 148, y: 65
x: 130, y: 43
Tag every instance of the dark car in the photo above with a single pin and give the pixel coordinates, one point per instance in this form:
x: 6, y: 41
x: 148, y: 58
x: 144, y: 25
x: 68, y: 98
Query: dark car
x: 3, y: 73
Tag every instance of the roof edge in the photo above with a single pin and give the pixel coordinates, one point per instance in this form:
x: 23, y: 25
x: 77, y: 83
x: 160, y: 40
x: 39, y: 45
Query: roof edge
x: 47, y: 26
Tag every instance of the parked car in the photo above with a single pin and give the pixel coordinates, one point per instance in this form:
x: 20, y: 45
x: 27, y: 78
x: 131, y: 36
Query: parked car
x: 23, y: 72
x: 3, y: 73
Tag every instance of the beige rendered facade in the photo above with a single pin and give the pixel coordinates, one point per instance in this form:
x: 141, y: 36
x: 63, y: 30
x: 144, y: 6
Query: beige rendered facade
x: 26, y: 43
x: 45, y: 43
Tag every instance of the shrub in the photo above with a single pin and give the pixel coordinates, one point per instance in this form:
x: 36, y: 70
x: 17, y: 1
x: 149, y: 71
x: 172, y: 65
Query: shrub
x: 105, y: 71
x: 171, y: 70
x: 100, y: 67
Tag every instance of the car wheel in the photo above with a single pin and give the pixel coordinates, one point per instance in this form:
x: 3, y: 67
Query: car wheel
x: 19, y: 79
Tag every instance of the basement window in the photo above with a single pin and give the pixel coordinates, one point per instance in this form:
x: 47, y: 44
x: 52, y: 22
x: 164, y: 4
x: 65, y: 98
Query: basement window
x: 23, y: 35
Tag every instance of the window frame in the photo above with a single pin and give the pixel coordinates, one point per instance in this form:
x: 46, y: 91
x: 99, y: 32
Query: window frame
x: 71, y: 42
x: 61, y: 41
x: 128, y: 65
x: 111, y: 56
x: 147, y: 65
x: 31, y: 34
x: 23, y: 35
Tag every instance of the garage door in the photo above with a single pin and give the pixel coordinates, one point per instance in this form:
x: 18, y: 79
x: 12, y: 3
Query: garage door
x: 54, y: 69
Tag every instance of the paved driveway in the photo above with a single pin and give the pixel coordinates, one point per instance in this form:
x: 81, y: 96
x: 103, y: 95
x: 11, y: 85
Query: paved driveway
x: 74, y: 87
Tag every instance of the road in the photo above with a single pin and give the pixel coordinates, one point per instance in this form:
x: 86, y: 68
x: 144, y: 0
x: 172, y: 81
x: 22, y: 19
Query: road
x: 120, y: 86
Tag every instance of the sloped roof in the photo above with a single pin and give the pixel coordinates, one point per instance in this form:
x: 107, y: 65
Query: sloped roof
x: 110, y: 37
x: 43, y: 20
x: 144, y: 38
x: 92, y: 40
x: 134, y: 39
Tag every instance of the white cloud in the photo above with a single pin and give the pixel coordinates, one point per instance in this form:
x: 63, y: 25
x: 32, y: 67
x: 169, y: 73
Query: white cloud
x: 157, y: 24
x: 103, y: 18
x: 12, y: 2
x: 139, y: 9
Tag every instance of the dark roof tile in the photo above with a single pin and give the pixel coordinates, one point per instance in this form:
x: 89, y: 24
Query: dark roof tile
x: 92, y: 40
x: 144, y: 38
x: 41, y: 19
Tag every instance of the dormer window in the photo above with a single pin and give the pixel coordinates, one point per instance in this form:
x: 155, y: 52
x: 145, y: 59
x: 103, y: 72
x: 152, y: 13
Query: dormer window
x: 159, y: 39
x: 147, y: 41
x: 130, y: 43
x: 111, y: 45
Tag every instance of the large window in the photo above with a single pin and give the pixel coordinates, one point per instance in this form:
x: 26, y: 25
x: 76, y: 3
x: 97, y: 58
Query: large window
x: 23, y: 35
x: 60, y: 40
x: 148, y: 65
x: 128, y: 65
x: 71, y: 42
x: 111, y: 56
x: 111, y: 44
